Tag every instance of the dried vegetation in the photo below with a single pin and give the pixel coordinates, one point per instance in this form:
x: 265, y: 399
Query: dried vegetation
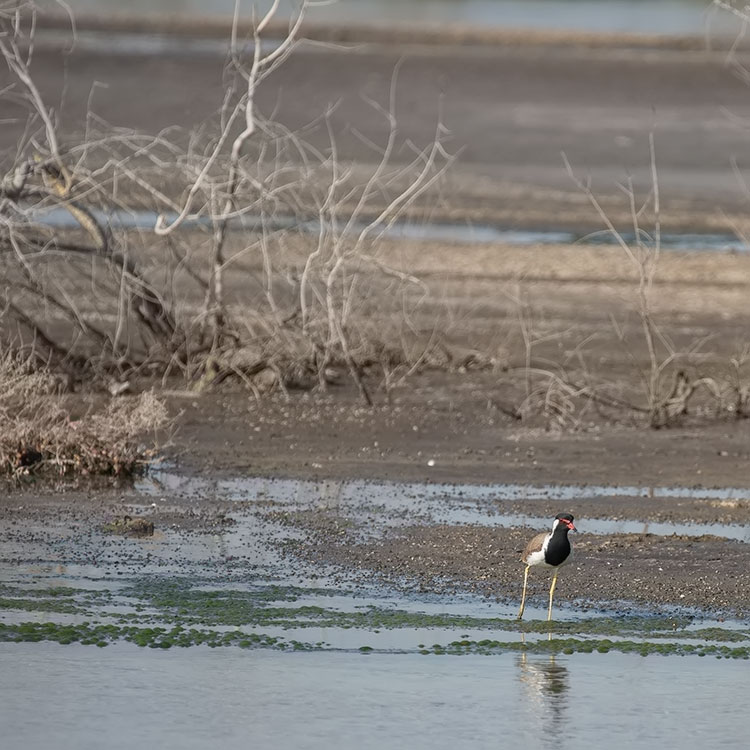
x: 238, y: 251
x: 39, y: 435
x: 123, y: 252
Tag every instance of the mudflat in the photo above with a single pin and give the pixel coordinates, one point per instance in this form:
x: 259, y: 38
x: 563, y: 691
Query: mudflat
x: 511, y: 106
x: 452, y: 426
x: 510, y: 111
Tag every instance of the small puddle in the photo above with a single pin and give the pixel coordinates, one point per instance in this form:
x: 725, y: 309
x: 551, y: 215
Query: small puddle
x: 334, y: 490
x: 146, y: 44
x: 484, y: 517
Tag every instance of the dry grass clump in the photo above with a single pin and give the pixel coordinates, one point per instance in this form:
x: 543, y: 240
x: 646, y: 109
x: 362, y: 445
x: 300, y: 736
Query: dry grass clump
x: 39, y: 435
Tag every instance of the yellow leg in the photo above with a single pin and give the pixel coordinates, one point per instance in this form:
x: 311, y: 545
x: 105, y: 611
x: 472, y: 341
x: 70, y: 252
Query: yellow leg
x: 523, y: 595
x: 551, y: 594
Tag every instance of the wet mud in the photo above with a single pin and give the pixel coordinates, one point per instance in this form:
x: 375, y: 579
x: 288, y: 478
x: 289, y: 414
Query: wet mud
x: 407, y: 537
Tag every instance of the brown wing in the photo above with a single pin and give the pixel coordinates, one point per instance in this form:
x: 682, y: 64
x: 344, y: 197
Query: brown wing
x: 534, y: 545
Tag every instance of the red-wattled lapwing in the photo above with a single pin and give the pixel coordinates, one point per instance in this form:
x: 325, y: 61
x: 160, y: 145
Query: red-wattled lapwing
x: 550, y: 551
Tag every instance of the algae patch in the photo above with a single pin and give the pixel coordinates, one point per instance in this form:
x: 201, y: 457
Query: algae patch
x: 166, y: 612
x: 588, y: 646
x: 158, y: 637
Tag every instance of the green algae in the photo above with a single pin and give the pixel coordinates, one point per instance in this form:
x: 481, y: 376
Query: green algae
x: 163, y: 613
x: 45, y: 593
x: 59, y: 600
x: 602, y: 646
x: 178, y: 601
x: 158, y: 637
x: 172, y: 592
x: 715, y: 634
x: 39, y: 605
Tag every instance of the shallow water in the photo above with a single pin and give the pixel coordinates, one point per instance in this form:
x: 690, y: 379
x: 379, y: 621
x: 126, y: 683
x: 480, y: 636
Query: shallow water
x: 461, y: 233
x: 457, y: 503
x: 672, y: 17
x: 123, y: 697
x: 335, y: 490
x: 307, y: 658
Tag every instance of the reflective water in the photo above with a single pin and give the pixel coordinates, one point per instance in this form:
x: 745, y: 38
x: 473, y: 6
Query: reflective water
x: 257, y: 487
x: 81, y: 698
x: 674, y: 17
x: 333, y: 695
x: 456, y: 503
x: 462, y: 233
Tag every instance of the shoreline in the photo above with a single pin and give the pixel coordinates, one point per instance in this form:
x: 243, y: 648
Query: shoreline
x: 512, y: 102
x: 403, y: 33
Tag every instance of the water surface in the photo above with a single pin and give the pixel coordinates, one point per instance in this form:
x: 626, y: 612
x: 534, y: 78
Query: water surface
x: 74, y: 697
x: 456, y: 503
x: 462, y: 233
x: 303, y: 657
x: 672, y: 17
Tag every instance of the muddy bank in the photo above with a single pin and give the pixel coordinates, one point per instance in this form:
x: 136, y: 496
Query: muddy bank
x: 511, y: 107
x: 453, y: 442
x: 613, y: 571
x: 465, y: 436
x: 356, y: 534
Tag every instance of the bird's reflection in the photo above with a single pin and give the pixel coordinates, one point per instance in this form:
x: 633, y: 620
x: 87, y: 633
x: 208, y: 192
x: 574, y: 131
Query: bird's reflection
x: 544, y: 683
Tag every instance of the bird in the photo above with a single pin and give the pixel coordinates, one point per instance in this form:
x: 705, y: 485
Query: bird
x: 550, y: 550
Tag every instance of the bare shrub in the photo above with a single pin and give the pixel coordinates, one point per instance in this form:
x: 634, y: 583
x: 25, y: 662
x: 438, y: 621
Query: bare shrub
x: 554, y: 375
x: 673, y: 379
x: 285, y: 302
x: 39, y: 435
